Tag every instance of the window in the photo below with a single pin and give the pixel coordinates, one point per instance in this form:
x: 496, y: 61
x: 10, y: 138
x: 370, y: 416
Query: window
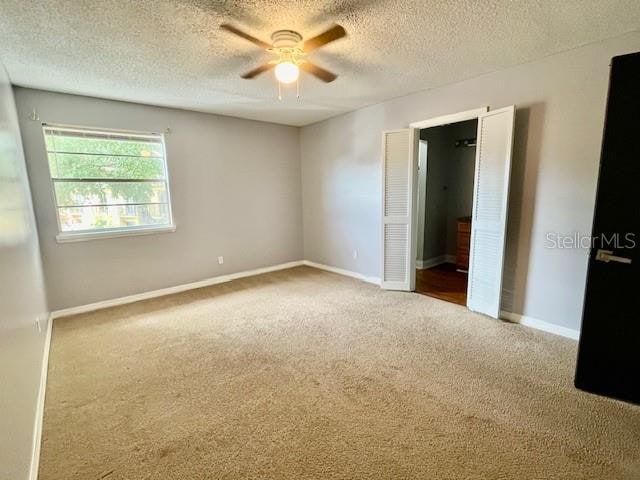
x: 108, y: 183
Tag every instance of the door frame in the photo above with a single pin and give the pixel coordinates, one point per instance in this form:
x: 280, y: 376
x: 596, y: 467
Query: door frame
x: 415, y: 127
x: 423, y: 153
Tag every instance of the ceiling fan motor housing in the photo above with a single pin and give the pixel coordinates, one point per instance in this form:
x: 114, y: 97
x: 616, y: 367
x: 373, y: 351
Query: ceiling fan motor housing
x: 285, y: 39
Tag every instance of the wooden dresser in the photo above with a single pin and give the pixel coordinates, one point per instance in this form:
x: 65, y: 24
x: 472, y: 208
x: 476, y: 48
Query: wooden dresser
x: 464, y: 243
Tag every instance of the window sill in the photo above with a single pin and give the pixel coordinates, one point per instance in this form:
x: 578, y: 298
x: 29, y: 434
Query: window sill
x: 68, y: 237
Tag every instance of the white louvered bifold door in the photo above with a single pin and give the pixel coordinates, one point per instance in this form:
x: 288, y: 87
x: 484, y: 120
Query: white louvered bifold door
x: 489, y: 215
x: 398, y: 203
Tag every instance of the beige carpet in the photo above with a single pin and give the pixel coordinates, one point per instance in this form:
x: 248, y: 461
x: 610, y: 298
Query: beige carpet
x: 303, y: 374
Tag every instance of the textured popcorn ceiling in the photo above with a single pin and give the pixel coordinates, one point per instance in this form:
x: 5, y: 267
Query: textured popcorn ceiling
x: 172, y: 52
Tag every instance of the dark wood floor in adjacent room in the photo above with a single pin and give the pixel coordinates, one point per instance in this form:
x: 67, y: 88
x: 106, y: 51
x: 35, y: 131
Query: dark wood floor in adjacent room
x: 444, y: 282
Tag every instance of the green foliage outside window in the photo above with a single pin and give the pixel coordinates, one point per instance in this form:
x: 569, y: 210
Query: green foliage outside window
x: 77, y: 157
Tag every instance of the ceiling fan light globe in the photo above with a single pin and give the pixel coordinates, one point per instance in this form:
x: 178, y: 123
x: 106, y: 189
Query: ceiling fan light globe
x: 287, y: 72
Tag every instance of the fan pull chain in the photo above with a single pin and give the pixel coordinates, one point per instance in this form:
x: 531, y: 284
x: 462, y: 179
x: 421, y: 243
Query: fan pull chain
x: 279, y: 90
x: 298, y: 88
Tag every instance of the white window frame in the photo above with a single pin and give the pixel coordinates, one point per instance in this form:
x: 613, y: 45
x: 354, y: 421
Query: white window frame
x: 103, y: 233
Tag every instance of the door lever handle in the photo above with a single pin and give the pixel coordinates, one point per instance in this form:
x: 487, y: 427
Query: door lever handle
x: 608, y: 256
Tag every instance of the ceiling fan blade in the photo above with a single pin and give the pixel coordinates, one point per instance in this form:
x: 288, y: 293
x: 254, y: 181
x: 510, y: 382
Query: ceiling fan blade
x: 316, y: 71
x: 246, y: 36
x: 334, y: 33
x: 257, y: 71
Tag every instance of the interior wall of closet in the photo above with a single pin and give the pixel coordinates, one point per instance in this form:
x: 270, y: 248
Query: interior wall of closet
x: 449, y: 190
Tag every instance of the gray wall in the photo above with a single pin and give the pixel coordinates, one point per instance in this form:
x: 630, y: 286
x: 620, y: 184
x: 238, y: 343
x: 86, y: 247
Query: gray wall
x: 459, y: 179
x: 22, y: 300
x: 560, y: 113
x: 437, y: 194
x: 449, y: 181
x: 235, y: 188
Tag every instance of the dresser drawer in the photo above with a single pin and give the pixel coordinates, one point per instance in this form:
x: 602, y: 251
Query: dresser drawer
x: 464, y: 240
x: 462, y: 261
x: 464, y: 227
x: 464, y: 243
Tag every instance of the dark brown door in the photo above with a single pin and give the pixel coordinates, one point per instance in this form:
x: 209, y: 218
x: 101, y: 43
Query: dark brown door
x: 609, y: 349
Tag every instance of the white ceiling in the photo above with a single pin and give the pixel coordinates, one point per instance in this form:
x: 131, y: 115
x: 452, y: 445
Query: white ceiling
x: 172, y: 52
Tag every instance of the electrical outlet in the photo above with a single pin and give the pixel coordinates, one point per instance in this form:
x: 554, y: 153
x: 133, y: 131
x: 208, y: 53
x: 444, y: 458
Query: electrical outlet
x: 355, y: 254
x: 220, y: 260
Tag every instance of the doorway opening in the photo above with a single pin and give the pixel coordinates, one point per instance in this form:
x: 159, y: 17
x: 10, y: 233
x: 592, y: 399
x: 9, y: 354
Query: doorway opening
x: 446, y: 172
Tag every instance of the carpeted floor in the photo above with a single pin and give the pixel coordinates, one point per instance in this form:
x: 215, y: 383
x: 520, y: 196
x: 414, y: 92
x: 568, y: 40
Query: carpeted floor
x: 303, y: 374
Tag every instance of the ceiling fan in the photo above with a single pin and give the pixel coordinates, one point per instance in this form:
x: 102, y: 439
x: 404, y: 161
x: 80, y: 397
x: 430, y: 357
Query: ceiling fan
x: 291, y: 53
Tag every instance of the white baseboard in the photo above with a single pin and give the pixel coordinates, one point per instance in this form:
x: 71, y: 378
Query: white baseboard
x: 512, y: 317
x: 65, y: 312
x: 540, y: 325
x: 341, y: 271
x: 37, y: 429
x: 432, y: 262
